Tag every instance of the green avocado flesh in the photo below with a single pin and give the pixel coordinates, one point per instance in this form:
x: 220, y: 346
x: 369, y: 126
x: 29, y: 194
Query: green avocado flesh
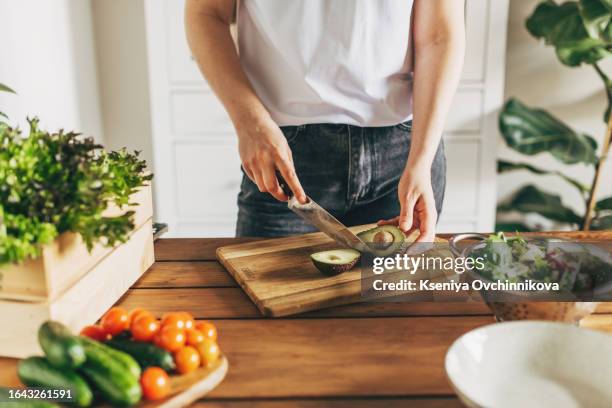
x: 335, y: 261
x: 384, y: 240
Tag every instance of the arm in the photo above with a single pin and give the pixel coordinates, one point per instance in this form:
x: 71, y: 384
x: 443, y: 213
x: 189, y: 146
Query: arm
x: 262, y: 146
x: 439, y: 40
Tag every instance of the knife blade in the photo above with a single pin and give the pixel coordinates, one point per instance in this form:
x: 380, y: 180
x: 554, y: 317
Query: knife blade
x: 323, y: 220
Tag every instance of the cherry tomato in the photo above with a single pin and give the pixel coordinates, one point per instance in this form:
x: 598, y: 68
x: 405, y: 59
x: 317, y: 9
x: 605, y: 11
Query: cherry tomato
x: 189, y: 321
x: 136, y: 313
x: 194, y: 336
x: 94, y: 332
x: 154, y: 383
x: 115, y: 321
x: 209, y: 352
x: 175, y: 319
x: 170, y: 338
x: 208, y: 329
x: 144, y: 328
x: 187, y: 359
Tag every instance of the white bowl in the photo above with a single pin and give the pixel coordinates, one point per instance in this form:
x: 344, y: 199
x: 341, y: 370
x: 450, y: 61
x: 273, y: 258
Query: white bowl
x: 532, y: 364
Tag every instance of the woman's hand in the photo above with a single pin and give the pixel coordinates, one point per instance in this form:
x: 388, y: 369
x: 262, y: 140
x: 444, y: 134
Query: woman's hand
x: 418, y: 207
x: 264, y: 150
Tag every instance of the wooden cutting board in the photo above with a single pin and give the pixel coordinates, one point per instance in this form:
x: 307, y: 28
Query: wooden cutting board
x: 280, y: 279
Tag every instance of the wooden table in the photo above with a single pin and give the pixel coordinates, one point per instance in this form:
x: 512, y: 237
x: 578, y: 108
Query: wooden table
x: 362, y: 355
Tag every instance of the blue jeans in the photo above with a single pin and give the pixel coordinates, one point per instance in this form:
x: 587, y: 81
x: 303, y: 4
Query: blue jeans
x: 352, y: 172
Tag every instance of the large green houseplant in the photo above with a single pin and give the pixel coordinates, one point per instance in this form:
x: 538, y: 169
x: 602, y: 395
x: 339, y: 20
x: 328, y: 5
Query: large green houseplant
x: 581, y: 33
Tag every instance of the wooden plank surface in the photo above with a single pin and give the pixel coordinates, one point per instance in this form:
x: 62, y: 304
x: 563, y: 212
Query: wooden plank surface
x: 190, y: 274
x: 361, y: 355
x: 193, y: 249
x: 331, y: 357
x: 232, y: 303
x: 422, y: 402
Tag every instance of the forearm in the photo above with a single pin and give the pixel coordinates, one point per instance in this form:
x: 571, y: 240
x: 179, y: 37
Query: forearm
x: 438, y: 66
x: 211, y: 44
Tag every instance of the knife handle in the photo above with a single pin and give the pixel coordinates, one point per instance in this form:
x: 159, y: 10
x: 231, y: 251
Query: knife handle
x: 283, y: 185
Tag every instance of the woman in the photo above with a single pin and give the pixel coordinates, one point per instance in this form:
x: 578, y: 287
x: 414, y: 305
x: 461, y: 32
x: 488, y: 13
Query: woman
x: 345, y: 99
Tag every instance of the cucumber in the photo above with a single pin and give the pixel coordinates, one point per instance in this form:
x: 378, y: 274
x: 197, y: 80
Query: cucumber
x: 114, y: 381
x: 124, y: 359
x: 146, y: 354
x: 63, y: 350
x: 38, y: 372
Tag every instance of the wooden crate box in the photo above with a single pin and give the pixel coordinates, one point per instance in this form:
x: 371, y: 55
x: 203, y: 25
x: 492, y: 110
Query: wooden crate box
x: 64, y: 261
x: 81, y: 304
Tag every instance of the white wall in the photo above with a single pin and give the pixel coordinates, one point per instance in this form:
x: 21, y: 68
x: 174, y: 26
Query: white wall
x: 122, y: 66
x: 47, y: 57
x: 575, y: 95
x: 84, y: 67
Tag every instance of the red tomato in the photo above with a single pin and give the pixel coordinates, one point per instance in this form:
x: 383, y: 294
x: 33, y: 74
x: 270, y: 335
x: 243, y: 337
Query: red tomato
x: 170, y: 338
x: 154, y: 383
x: 186, y: 359
x: 136, y: 313
x: 175, y: 319
x: 208, y: 329
x: 94, y: 332
x: 115, y: 321
x: 194, y: 336
x: 209, y: 352
x: 144, y: 328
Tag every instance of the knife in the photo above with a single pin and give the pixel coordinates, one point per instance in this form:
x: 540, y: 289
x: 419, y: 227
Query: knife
x: 322, y: 219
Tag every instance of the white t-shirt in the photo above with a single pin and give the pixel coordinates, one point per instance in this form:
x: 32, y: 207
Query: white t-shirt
x: 329, y: 61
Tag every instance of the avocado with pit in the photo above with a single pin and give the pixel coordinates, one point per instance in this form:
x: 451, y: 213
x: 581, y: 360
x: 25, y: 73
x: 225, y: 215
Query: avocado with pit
x: 336, y: 261
x: 384, y: 240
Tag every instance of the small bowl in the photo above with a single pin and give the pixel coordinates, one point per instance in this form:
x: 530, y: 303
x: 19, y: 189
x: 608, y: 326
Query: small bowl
x: 531, y: 364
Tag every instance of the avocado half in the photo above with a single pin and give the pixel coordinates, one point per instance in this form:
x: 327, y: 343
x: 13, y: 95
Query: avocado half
x: 384, y: 240
x: 336, y: 261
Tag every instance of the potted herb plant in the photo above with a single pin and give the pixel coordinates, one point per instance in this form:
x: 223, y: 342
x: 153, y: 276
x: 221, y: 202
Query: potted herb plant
x: 75, y: 230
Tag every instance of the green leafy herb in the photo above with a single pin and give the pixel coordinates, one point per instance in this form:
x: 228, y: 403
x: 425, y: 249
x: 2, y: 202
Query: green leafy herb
x: 51, y: 183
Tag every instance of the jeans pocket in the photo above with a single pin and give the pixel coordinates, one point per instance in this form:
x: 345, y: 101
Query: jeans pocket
x: 291, y: 133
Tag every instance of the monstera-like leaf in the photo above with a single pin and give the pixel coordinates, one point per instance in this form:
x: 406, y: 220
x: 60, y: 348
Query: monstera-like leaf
x: 532, y: 131
x: 577, y: 30
x: 531, y: 199
x: 505, y: 166
x: 604, y: 204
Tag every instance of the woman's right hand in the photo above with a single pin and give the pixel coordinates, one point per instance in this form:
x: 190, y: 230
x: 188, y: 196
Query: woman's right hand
x: 263, y: 151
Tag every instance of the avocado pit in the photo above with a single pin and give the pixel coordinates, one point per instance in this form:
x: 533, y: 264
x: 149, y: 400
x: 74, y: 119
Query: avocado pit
x: 383, y: 240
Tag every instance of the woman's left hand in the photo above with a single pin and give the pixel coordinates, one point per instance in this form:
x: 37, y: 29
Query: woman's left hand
x: 418, y: 207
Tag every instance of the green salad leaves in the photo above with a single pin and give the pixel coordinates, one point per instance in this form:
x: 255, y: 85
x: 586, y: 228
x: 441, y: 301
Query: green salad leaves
x: 52, y: 183
x: 577, y: 267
